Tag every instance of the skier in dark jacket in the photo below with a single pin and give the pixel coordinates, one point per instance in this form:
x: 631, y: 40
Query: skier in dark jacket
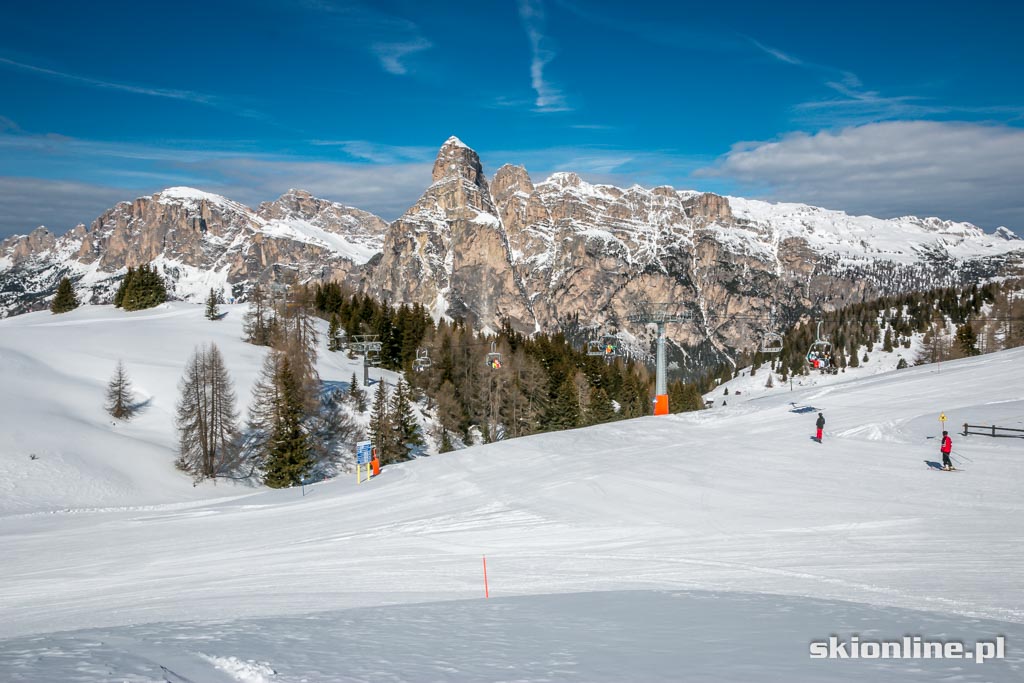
x: 947, y: 446
x: 821, y: 425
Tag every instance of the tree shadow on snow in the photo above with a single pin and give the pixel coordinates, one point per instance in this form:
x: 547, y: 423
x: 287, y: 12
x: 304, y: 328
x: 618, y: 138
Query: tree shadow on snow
x: 328, y: 387
x: 140, y: 406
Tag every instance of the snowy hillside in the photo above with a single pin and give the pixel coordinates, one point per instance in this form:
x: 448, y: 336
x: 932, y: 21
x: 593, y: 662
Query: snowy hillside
x: 862, y: 238
x: 705, y: 546
x: 55, y: 371
x: 747, y: 387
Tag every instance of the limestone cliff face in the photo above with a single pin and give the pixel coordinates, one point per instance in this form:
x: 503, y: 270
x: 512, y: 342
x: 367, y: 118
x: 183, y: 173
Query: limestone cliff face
x: 449, y: 251
x: 543, y: 254
x: 198, y: 240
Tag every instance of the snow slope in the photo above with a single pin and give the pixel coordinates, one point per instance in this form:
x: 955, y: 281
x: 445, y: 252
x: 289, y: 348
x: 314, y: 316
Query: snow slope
x: 707, y: 546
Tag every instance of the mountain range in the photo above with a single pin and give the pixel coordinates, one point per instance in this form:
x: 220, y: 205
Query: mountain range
x: 559, y: 254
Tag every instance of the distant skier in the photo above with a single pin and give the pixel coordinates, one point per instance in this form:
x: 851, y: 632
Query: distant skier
x: 947, y: 446
x: 821, y: 425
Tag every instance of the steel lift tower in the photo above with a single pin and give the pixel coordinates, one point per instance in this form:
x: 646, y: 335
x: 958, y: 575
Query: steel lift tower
x: 660, y: 314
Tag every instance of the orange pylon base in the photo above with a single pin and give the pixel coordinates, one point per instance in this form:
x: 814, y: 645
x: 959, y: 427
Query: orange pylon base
x: 661, y: 404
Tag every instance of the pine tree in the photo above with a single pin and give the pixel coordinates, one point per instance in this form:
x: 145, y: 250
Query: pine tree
x: 120, y: 401
x: 143, y: 289
x: 967, y: 340
x: 334, y: 334
x: 357, y: 394
x: 206, y: 417
x: 599, y: 408
x: 380, y: 427
x: 289, y: 458
x: 258, y: 320
x: 446, y: 445
x: 295, y: 336
x: 887, y: 341
x: 212, y: 311
x: 123, y: 287
x: 65, y: 299
x: 403, y: 421
x: 692, y: 398
x: 264, y: 411
x: 450, y: 412
x: 564, y: 410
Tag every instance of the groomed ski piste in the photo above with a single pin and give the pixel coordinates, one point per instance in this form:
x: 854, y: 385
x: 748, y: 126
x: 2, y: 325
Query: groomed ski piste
x: 710, y: 546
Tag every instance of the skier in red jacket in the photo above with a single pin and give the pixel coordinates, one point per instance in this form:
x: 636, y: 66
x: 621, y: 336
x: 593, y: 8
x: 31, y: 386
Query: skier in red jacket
x: 947, y: 446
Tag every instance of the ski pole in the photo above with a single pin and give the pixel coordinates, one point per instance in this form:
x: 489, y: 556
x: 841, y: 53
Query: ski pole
x: 961, y: 456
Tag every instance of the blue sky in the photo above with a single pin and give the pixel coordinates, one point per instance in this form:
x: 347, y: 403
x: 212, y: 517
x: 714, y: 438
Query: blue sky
x: 880, y: 108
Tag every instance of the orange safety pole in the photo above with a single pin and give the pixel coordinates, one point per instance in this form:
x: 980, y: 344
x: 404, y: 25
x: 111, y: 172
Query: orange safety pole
x: 487, y: 592
x: 661, y: 404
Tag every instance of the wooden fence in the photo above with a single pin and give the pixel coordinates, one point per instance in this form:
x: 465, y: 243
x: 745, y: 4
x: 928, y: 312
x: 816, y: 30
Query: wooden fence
x: 992, y: 430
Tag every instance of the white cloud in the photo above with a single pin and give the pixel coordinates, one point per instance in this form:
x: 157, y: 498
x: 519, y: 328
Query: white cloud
x: 778, y: 54
x: 388, y: 37
x: 549, y: 98
x: 392, y: 54
x: 169, y: 93
x: 59, y: 205
x: 379, y: 153
x: 960, y: 171
x: 384, y: 189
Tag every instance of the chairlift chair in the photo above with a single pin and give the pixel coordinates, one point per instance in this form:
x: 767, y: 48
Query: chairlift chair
x: 607, y: 347
x: 422, y: 361
x: 771, y: 343
x: 819, y: 356
x: 494, y: 358
x: 373, y: 349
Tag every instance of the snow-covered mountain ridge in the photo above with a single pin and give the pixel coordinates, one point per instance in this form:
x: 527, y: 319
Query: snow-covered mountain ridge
x: 564, y: 252
x: 558, y: 254
x: 198, y: 240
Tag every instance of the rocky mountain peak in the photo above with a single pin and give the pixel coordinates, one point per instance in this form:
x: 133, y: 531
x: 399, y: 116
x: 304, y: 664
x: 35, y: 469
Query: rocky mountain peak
x: 18, y: 247
x: 293, y: 202
x: 565, y: 179
x: 456, y: 160
x: 511, y: 178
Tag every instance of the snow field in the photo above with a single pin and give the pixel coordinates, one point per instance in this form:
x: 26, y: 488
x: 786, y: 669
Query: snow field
x: 701, y: 546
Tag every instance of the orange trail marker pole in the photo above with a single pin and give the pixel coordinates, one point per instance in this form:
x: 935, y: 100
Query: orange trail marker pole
x: 487, y: 592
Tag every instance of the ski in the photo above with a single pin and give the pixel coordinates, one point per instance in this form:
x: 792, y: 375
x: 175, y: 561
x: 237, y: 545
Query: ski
x: 933, y: 468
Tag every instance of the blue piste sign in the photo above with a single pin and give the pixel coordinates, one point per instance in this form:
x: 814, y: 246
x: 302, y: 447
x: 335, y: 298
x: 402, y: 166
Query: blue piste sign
x: 364, y: 452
